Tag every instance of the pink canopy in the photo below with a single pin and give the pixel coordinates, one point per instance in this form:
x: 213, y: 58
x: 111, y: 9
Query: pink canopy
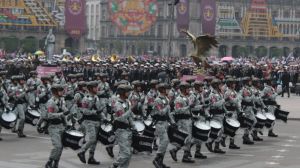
x: 228, y: 58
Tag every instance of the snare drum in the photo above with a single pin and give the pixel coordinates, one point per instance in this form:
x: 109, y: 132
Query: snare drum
x: 261, y: 120
x: 149, y: 128
x: 215, y: 129
x: 270, y: 120
x: 106, y: 135
x: 8, y: 120
x: 245, y: 122
x: 73, y: 139
x: 142, y: 143
x: 32, y: 116
x: 231, y: 126
x: 139, y: 125
x: 200, y: 130
x: 176, y: 136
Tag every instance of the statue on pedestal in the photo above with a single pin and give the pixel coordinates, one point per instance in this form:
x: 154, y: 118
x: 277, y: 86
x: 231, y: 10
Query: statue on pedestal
x: 49, y: 45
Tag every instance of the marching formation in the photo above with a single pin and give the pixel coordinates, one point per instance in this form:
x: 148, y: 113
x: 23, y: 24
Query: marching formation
x: 139, y: 116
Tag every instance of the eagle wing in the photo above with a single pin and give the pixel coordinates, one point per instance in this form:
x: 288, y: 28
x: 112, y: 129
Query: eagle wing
x: 204, y: 44
x: 190, y: 36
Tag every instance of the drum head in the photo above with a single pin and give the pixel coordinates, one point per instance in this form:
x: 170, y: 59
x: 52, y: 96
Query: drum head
x: 34, y: 113
x: 9, y: 117
x: 148, y: 122
x: 75, y: 133
x: 202, y: 125
x: 139, y: 126
x: 261, y: 116
x: 215, y: 124
x: 107, y: 127
x: 233, y: 122
x: 270, y: 116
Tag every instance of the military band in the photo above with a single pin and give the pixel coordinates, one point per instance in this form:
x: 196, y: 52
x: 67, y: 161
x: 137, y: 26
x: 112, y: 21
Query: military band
x: 72, y: 103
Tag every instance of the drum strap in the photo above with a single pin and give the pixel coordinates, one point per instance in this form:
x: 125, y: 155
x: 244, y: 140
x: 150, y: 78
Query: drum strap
x: 158, y: 117
x: 216, y: 111
x: 91, y: 117
x: 270, y: 102
x: 247, y: 103
x: 55, y: 121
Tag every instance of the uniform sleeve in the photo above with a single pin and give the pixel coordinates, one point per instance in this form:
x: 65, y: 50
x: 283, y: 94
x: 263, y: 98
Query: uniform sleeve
x: 180, y: 106
x: 120, y: 113
x: 52, y: 111
x: 85, y: 107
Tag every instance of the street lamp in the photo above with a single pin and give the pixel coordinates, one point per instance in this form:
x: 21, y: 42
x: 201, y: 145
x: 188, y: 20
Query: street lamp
x: 171, y: 3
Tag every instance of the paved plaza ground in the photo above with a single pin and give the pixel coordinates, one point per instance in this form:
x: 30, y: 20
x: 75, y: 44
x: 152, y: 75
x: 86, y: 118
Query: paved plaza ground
x: 284, y: 151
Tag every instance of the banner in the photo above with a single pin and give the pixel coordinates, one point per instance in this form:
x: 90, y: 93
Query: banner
x: 75, y: 23
x: 133, y: 17
x: 208, y: 11
x: 183, y: 17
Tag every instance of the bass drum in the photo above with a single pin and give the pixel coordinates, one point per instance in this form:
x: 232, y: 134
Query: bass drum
x: 106, y: 135
x: 231, y: 126
x: 8, y: 120
x: 149, y: 128
x: 215, y: 129
x: 270, y: 120
x: 139, y: 125
x: 200, y: 130
x: 261, y: 120
x: 32, y: 116
x: 73, y: 139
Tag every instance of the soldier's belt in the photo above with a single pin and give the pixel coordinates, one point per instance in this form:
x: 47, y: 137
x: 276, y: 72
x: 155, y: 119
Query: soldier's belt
x: 103, y: 96
x: 216, y: 111
x: 182, y: 116
x: 230, y: 108
x: 247, y: 103
x: 158, y: 117
x: 20, y: 102
x: 120, y: 125
x: 196, y: 112
x: 91, y: 117
x: 270, y: 102
x: 68, y: 97
x: 55, y: 121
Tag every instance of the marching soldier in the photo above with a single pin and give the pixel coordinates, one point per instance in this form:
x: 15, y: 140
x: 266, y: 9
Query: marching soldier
x: 56, y: 112
x: 198, y: 112
x: 123, y: 126
x: 259, y: 105
x: 269, y: 97
x: 161, y: 114
x: 173, y: 93
x: 3, y: 101
x: 32, y: 84
x: 183, y: 119
x: 18, y: 93
x: 247, y: 106
x: 217, y: 113
x: 59, y: 78
x: 232, y: 105
x: 92, y: 111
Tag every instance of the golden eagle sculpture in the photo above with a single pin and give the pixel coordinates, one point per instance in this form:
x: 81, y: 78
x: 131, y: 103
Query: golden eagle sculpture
x: 202, y: 45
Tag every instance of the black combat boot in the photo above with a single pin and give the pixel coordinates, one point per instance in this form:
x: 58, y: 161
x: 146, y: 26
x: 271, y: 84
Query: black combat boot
x: 223, y: 142
x: 198, y: 154
x: 173, y: 154
x: 49, y: 163
x: 110, y: 151
x: 155, y: 147
x: 21, y: 134
x: 217, y: 148
x: 92, y: 160
x: 232, y: 145
x: 157, y: 162
x: 247, y: 140
x: 114, y: 166
x: 55, y: 164
x: 209, y: 146
x: 81, y: 156
x: 272, y: 134
x: 255, y: 136
x: 186, y: 158
x: 0, y: 139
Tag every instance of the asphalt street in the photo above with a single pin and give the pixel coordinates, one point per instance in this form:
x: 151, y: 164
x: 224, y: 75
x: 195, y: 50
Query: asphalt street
x: 284, y: 151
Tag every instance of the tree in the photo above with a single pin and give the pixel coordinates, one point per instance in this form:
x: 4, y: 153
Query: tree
x: 276, y: 52
x: 118, y: 46
x: 141, y: 47
x: 261, y: 51
x: 238, y: 51
x: 11, y: 43
x: 29, y: 44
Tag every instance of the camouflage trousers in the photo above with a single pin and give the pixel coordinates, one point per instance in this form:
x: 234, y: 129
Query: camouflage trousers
x: 56, y: 133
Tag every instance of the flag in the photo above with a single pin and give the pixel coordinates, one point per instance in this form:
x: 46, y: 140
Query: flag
x: 208, y: 16
x: 183, y: 18
x: 75, y: 23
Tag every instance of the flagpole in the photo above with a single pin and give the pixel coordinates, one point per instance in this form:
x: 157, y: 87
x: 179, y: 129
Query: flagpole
x: 172, y: 4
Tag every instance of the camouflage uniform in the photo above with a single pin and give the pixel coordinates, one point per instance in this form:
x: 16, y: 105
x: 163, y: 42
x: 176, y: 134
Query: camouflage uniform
x: 122, y: 124
x: 3, y: 103
x: 56, y: 108
x: 149, y: 101
x: 32, y: 84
